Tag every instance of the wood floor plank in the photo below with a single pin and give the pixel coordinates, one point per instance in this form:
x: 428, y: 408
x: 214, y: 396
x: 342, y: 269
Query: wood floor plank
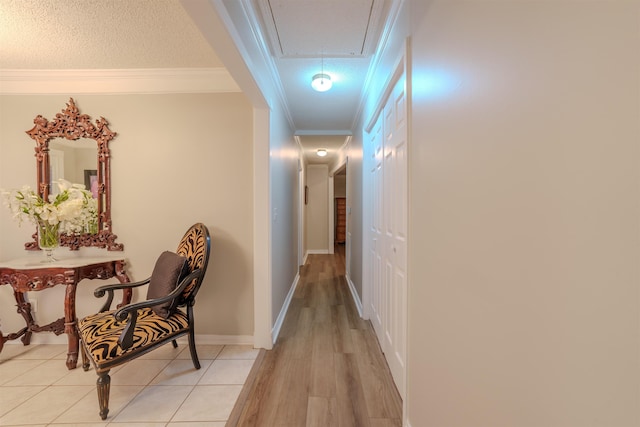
x: 342, y: 342
x: 294, y: 395
x: 327, y: 368
x: 393, y: 401
x: 262, y: 401
x: 386, y: 422
x: 333, y: 294
x: 290, y: 323
x: 352, y: 408
x: 322, y: 412
x: 355, y: 321
x: 380, y: 399
x: 322, y: 382
x: 299, y: 342
x: 323, y: 307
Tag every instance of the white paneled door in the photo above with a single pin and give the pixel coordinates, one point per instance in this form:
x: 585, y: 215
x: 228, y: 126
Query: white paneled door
x: 387, y: 231
x: 376, y: 236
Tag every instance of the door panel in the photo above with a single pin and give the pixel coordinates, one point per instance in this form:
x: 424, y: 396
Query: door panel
x: 396, y: 145
x: 388, y: 233
x: 376, y: 244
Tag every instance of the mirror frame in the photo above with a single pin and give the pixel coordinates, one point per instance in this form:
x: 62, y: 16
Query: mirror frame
x: 72, y: 125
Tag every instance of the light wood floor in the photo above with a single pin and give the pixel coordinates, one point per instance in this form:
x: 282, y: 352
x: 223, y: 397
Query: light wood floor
x: 326, y: 369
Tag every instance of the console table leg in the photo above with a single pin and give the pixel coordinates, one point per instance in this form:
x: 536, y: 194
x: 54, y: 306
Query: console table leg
x: 72, y: 354
x: 70, y: 323
x: 122, y: 277
x: 24, y: 308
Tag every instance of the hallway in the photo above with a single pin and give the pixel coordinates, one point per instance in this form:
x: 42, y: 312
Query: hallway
x: 326, y: 369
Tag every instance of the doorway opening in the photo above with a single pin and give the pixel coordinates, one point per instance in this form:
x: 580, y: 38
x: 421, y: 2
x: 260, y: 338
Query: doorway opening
x: 340, y: 210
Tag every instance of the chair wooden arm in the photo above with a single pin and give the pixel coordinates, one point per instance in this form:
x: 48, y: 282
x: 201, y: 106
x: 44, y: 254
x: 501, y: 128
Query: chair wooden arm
x: 130, y: 311
x: 100, y: 291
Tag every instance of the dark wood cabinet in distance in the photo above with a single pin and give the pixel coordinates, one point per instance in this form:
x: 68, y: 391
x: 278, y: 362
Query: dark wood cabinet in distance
x: 341, y: 219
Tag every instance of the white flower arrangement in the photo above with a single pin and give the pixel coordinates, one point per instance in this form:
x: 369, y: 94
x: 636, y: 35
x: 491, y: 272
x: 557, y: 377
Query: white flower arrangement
x: 73, y: 209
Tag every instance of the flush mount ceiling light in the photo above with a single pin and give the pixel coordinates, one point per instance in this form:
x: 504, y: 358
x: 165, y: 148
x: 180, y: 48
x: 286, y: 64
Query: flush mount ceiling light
x: 321, y: 82
x: 321, y: 151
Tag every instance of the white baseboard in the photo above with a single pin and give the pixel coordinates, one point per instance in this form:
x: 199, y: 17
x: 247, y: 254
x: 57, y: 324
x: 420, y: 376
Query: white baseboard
x: 354, y: 294
x: 224, y: 339
x: 42, y: 338
x: 220, y: 339
x: 275, y: 331
x: 316, y: 251
x: 200, y: 339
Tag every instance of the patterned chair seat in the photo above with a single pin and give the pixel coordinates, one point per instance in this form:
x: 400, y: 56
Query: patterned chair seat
x: 100, y: 333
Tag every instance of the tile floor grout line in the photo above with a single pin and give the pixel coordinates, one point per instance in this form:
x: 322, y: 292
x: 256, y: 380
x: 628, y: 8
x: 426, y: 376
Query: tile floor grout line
x: 180, y: 406
x: 69, y: 408
x: 234, y: 354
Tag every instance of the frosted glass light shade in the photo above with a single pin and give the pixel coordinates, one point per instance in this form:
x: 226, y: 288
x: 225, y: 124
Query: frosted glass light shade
x: 321, y: 82
x: 321, y: 152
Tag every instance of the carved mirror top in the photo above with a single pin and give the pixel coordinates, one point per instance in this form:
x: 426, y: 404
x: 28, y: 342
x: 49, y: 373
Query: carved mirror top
x: 71, y: 125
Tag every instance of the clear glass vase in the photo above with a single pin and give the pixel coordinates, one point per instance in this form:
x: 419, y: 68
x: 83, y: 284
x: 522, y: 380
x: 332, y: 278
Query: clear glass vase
x: 91, y: 227
x: 48, y: 239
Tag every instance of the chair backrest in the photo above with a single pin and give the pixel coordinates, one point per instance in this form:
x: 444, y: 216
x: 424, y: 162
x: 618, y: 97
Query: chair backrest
x: 195, y: 246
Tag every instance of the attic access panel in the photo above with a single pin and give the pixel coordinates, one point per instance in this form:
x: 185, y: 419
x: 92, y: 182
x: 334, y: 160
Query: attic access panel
x: 311, y: 28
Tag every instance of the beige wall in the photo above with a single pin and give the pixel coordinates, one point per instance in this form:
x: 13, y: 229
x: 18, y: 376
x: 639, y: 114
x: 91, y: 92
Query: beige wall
x: 275, y: 158
x: 355, y: 214
x: 525, y: 207
x: 317, y: 209
x: 283, y: 167
x: 172, y: 163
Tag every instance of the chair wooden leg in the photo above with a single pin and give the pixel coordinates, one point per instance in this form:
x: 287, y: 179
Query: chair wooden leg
x: 192, y: 349
x: 175, y: 344
x: 103, y: 384
x: 85, y: 358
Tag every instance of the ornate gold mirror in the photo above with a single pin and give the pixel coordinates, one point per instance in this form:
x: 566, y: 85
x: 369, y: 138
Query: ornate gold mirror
x: 68, y: 134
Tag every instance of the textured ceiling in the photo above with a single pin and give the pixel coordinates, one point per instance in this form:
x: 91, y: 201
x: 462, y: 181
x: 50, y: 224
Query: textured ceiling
x: 100, y: 34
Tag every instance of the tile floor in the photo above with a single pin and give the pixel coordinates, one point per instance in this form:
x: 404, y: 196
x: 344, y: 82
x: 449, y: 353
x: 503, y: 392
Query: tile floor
x: 161, y: 388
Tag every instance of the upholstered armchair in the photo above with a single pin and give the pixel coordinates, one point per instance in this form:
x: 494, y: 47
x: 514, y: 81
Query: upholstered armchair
x: 113, y: 337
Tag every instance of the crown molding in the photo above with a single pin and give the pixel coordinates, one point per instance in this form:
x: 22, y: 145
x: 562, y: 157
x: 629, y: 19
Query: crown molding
x: 116, y: 81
